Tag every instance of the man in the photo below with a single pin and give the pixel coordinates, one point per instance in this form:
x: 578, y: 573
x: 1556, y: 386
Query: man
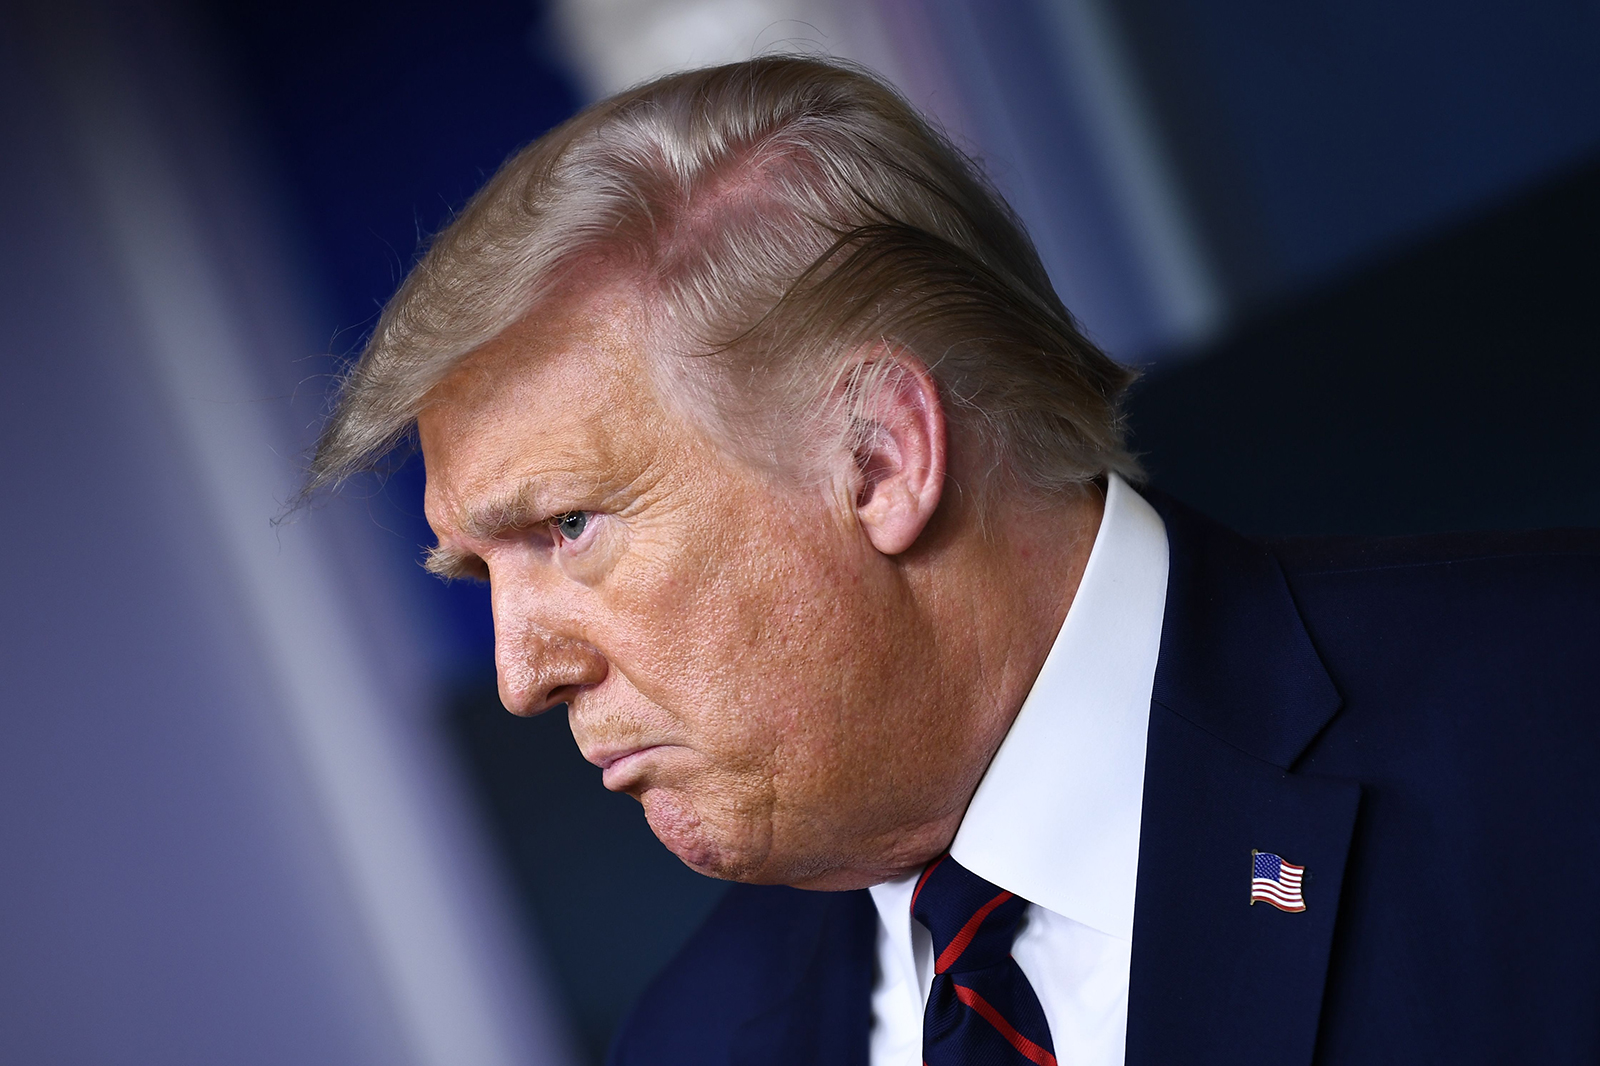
x: 794, y: 480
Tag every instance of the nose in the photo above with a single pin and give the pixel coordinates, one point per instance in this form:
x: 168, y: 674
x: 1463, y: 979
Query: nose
x: 538, y: 670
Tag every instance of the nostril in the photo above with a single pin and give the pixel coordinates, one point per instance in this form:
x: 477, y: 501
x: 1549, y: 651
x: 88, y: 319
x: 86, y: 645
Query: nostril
x: 557, y: 697
x: 561, y: 694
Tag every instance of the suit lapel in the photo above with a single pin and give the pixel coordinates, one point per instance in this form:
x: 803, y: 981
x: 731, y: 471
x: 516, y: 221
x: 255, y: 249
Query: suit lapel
x: 1240, y: 693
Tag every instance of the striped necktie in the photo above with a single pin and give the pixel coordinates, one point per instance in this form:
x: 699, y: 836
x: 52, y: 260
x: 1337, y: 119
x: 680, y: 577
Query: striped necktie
x: 982, y: 1011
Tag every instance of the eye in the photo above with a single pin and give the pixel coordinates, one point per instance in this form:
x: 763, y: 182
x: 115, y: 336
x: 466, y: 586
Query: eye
x: 572, y: 524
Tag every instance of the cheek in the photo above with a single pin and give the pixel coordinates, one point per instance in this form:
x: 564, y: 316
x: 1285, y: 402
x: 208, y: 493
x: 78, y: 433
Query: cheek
x: 730, y: 630
x: 604, y: 544
x: 766, y: 651
x: 795, y: 641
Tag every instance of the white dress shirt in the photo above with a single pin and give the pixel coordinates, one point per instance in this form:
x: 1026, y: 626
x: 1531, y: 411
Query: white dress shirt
x: 1055, y: 819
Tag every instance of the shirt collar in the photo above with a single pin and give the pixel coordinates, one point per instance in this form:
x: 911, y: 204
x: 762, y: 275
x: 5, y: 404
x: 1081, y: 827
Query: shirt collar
x: 1056, y: 817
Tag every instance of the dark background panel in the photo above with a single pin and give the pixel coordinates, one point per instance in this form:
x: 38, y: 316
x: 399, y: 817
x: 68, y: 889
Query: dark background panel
x: 385, y: 118
x: 1313, y: 136
x: 1455, y: 386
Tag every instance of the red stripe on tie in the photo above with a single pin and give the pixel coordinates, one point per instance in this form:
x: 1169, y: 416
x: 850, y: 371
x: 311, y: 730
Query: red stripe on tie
x: 924, y: 878
x: 1025, y: 1047
x: 952, y: 952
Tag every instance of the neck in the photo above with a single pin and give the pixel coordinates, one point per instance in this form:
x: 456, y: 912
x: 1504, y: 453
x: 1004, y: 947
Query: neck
x: 992, y: 600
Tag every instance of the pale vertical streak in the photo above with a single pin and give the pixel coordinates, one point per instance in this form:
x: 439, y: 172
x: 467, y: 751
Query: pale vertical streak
x: 618, y: 43
x: 1161, y: 228
x: 452, y: 1006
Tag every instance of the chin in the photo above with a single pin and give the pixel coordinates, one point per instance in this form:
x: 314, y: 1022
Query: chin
x: 726, y: 856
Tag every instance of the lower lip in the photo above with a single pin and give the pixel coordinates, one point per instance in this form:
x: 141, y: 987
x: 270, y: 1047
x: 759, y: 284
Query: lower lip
x: 617, y: 775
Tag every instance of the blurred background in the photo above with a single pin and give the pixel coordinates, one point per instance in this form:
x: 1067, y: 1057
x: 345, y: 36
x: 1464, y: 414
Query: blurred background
x: 258, y: 803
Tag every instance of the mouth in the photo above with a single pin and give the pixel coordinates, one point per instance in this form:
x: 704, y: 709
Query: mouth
x: 622, y: 766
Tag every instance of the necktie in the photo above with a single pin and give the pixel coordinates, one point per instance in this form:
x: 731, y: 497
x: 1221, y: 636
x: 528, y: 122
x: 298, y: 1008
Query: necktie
x: 982, y: 1011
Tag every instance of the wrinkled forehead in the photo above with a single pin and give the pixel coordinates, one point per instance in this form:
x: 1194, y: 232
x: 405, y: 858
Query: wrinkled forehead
x: 568, y: 384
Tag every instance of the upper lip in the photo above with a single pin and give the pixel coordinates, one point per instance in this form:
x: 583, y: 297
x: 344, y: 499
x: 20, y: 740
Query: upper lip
x: 607, y: 756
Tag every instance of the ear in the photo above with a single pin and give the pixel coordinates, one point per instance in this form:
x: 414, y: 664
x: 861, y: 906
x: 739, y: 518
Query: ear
x: 899, y: 460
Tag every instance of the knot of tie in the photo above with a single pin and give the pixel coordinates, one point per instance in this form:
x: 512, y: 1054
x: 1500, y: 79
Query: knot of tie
x: 981, y: 1009
x: 972, y: 921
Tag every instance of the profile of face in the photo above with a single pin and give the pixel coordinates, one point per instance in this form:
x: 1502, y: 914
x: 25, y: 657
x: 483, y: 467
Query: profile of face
x: 750, y: 658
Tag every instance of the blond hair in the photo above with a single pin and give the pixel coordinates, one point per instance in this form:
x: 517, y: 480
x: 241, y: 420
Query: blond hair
x: 779, y: 216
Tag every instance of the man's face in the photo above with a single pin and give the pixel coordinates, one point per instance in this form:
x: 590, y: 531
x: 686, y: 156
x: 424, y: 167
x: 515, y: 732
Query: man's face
x: 733, y: 652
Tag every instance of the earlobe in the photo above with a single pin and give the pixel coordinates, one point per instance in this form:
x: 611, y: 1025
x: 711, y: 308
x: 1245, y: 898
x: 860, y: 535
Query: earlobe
x: 899, y: 460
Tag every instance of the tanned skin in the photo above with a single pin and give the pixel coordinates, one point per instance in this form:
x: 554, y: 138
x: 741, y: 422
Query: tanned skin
x: 801, y: 682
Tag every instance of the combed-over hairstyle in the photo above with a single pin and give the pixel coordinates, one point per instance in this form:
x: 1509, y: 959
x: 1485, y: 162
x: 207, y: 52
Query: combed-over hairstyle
x: 779, y: 217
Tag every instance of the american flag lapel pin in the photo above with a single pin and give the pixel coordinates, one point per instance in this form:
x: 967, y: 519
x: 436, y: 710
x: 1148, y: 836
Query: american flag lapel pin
x: 1274, y: 881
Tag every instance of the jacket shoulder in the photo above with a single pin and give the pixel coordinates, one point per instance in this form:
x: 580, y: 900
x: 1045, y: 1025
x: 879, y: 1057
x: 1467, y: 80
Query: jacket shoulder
x: 1502, y: 624
x: 1331, y: 555
x: 1467, y: 667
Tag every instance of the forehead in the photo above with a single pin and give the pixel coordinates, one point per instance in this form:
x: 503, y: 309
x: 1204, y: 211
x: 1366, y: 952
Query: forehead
x: 564, y: 392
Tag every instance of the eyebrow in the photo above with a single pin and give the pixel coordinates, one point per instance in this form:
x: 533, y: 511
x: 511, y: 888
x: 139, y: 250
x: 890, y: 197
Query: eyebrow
x: 453, y: 564
x: 518, y: 509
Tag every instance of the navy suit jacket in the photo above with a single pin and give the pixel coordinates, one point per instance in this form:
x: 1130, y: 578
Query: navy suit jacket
x: 1414, y: 721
